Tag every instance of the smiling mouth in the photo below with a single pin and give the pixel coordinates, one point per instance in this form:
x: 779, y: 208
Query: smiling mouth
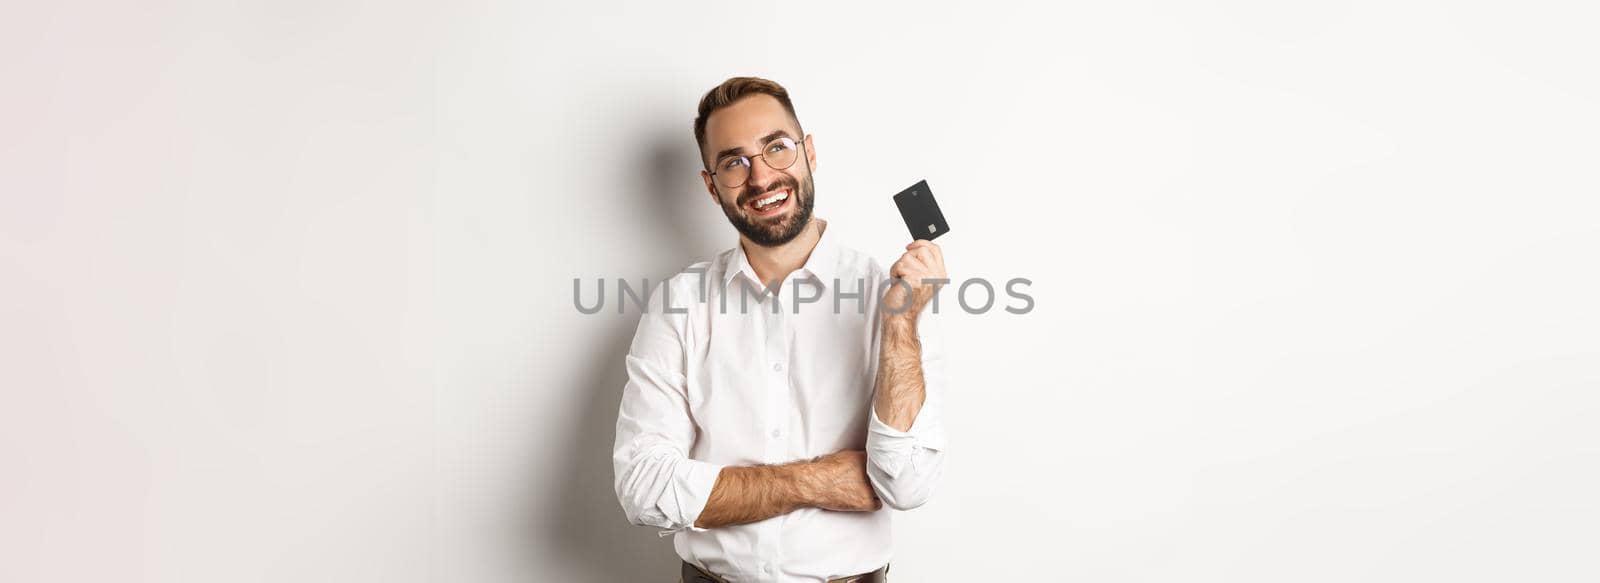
x: 770, y: 203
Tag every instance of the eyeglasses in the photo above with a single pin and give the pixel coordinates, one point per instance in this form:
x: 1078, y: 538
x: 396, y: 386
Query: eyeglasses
x: 734, y: 171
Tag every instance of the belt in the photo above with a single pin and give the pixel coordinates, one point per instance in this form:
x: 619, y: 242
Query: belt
x: 694, y: 574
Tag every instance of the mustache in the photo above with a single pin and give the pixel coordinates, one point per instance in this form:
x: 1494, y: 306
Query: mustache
x: 781, y: 183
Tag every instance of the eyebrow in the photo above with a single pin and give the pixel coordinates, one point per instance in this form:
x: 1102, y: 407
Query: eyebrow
x: 775, y: 134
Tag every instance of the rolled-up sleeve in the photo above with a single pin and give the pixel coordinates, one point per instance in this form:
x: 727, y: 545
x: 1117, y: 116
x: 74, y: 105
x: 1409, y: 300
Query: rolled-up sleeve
x: 655, y: 480
x: 905, y: 466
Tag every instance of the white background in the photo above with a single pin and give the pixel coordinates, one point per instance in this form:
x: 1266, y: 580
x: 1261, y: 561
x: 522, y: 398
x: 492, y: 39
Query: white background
x: 287, y: 285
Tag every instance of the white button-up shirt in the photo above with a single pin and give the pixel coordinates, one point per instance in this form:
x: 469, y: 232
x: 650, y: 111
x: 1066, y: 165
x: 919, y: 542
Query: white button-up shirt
x: 777, y: 380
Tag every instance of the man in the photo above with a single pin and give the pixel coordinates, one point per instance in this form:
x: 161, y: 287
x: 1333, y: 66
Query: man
x: 788, y: 395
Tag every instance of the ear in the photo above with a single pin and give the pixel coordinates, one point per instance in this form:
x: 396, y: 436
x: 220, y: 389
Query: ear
x: 811, y: 153
x: 711, y: 188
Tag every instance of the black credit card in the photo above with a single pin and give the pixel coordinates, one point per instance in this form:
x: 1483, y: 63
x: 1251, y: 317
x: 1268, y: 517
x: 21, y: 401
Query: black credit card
x: 921, y: 212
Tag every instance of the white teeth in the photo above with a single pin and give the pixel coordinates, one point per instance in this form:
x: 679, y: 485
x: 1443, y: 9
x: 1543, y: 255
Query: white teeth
x: 772, y: 199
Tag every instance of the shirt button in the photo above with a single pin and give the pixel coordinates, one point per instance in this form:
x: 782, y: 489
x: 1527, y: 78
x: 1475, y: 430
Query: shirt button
x: 777, y: 366
x: 775, y: 434
x: 766, y: 568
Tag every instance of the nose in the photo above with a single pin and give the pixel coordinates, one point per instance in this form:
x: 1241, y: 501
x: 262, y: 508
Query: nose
x: 761, y: 174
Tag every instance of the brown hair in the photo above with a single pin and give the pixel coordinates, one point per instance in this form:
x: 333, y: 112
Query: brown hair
x: 734, y: 89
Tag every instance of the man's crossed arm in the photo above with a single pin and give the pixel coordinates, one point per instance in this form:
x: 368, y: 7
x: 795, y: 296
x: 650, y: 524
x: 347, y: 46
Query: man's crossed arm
x: 743, y: 494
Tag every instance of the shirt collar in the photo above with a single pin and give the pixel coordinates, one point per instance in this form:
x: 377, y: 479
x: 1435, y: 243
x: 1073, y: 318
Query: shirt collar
x: 822, y: 264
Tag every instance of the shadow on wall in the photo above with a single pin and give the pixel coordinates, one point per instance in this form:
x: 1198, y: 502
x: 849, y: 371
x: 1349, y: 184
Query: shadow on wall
x: 678, y: 223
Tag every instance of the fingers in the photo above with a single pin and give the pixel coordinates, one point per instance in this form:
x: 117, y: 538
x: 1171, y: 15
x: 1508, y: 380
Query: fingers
x: 915, y: 263
x: 922, y: 261
x: 918, y: 266
x: 913, y: 266
x: 928, y: 251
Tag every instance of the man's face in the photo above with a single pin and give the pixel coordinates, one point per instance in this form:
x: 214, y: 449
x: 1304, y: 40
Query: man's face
x: 747, y: 127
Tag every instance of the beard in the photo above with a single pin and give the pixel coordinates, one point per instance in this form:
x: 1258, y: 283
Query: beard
x: 778, y: 230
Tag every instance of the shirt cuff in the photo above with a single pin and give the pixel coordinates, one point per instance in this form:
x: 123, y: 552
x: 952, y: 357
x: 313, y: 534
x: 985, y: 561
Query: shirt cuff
x: 892, y: 449
x: 691, y: 489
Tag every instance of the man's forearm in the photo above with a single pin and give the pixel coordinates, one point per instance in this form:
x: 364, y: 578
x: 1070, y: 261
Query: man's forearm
x: 744, y: 494
x: 900, y: 390
x: 751, y: 493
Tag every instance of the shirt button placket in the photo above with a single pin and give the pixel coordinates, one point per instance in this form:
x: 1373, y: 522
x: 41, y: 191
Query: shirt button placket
x: 778, y: 380
x: 777, y: 353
